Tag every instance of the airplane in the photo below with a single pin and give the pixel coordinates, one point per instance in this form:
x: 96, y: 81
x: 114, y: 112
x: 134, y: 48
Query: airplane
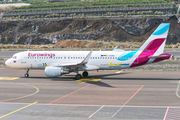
x: 57, y: 63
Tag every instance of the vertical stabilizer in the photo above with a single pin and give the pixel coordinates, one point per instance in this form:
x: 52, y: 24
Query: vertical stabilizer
x: 154, y: 46
x: 156, y: 42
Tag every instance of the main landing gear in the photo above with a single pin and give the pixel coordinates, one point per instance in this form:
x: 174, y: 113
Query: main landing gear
x: 85, y: 74
x: 26, y: 75
x: 79, y: 76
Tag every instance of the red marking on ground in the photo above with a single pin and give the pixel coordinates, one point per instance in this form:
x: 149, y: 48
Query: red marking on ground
x: 172, y: 114
x: 133, y: 95
x: 166, y: 113
x: 68, y: 94
x: 97, y: 95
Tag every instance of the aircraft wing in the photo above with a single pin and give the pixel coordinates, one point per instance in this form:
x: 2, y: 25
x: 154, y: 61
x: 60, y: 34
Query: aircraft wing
x: 85, y: 61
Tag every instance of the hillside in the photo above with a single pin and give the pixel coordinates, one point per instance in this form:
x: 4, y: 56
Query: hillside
x: 52, y: 32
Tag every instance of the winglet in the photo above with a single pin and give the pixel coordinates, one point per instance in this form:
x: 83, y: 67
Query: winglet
x: 115, y: 48
x: 85, y: 61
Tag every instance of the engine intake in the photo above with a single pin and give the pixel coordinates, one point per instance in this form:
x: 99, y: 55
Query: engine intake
x: 55, y: 71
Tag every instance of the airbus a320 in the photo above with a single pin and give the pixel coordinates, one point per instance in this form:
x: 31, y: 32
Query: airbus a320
x: 57, y: 63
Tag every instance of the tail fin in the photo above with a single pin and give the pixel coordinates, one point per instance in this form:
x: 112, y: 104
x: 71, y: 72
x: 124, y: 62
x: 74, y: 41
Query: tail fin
x: 156, y: 42
x: 154, y: 46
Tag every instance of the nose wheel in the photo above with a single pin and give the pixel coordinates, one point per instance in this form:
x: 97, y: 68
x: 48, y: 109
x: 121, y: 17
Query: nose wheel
x: 26, y: 75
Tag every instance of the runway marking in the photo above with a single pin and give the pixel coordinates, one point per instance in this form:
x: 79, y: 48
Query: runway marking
x: 9, y: 78
x: 37, y: 90
x: 88, y: 80
x: 96, y: 111
x: 177, y: 90
x: 69, y: 94
x: 174, y: 81
x: 166, y: 113
x: 119, y: 72
x: 128, y: 100
x: 18, y: 109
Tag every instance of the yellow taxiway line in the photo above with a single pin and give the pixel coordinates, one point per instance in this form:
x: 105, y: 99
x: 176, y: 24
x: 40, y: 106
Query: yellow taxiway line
x: 177, y: 90
x: 9, y: 78
x: 119, y: 72
x: 37, y: 90
x: 88, y: 80
x: 18, y: 109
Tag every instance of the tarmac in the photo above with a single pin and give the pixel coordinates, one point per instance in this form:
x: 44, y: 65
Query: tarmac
x: 102, y: 95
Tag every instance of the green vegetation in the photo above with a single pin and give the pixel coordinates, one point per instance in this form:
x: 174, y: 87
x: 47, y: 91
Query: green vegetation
x: 88, y: 7
x: 90, y: 3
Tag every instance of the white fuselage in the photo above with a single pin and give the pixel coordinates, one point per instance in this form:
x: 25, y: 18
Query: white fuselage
x: 104, y: 60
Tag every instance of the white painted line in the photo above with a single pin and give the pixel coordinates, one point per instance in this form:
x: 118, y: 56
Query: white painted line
x: 96, y: 111
x: 128, y: 100
x: 117, y: 112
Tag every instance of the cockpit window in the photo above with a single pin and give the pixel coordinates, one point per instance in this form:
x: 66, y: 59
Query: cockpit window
x: 14, y: 57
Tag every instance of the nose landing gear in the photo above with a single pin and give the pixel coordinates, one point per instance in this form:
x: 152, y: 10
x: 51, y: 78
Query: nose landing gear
x: 26, y: 75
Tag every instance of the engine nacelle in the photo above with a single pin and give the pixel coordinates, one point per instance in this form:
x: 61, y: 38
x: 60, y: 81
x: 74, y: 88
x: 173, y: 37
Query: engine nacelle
x: 55, y: 71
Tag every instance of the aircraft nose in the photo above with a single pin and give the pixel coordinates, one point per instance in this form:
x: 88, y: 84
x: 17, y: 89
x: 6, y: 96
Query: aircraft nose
x: 7, y: 62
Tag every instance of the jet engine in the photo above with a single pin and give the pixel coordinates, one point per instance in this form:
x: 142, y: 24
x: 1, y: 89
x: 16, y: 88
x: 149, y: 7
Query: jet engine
x: 55, y: 71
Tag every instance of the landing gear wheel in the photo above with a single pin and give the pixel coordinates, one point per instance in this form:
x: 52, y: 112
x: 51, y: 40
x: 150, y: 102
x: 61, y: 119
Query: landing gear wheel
x: 85, y: 74
x: 78, y: 76
x: 26, y: 75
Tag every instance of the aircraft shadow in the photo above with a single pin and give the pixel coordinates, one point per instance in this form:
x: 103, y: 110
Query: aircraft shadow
x: 99, y: 83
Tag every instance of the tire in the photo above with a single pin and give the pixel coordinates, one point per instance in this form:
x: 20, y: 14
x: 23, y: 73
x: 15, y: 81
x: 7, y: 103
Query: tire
x: 78, y: 76
x: 85, y: 74
x: 26, y: 75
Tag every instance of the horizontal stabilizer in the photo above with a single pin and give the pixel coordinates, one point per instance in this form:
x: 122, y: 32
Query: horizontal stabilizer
x: 158, y: 56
